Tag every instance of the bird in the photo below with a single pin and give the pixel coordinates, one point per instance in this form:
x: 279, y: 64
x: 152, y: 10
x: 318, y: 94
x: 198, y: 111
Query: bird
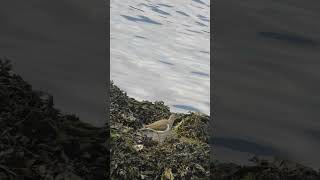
x: 161, y: 125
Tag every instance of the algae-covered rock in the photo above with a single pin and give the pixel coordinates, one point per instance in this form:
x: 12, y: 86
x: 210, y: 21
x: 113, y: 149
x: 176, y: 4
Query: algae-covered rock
x: 184, y: 154
x: 195, y: 126
x: 262, y: 169
x: 133, y: 113
x: 37, y: 141
x: 167, y: 174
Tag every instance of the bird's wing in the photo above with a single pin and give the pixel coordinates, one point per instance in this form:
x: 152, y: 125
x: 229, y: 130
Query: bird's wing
x: 160, y: 125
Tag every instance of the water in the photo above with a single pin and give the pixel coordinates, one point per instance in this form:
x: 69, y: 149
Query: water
x: 160, y: 51
x: 267, y: 80
x: 59, y: 47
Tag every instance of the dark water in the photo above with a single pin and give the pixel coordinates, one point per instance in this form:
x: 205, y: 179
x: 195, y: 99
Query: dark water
x: 266, y: 82
x: 60, y: 47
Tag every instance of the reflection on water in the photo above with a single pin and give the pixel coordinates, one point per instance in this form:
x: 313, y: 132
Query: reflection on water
x: 183, y: 13
x: 200, y: 73
x: 142, y: 19
x: 200, y: 2
x: 289, y: 37
x: 160, y: 51
x: 164, y: 62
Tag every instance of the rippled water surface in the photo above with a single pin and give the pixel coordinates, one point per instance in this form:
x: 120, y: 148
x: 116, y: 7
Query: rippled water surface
x: 59, y: 47
x: 160, y: 50
x: 267, y: 93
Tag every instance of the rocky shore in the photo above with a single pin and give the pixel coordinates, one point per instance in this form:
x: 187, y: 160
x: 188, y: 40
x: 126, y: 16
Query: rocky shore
x: 37, y: 141
x: 263, y: 169
x: 183, y: 155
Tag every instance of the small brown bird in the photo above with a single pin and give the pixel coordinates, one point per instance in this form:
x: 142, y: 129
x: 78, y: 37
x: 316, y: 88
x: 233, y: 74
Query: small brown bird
x: 162, y: 125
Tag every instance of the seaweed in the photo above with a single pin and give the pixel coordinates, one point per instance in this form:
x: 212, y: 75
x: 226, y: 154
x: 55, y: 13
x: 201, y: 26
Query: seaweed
x: 263, y: 169
x: 135, y: 156
x: 37, y: 141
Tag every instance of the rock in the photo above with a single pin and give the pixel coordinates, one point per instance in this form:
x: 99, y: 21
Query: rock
x: 138, y: 147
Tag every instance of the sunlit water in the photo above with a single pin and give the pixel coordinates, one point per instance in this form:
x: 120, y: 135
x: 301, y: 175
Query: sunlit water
x: 160, y: 50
